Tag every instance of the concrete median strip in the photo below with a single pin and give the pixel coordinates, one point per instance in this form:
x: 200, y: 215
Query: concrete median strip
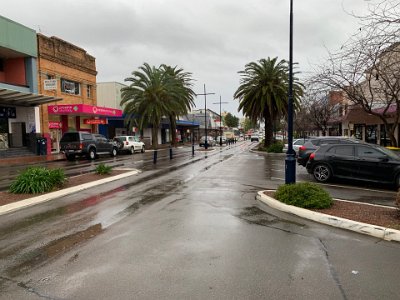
x: 372, y: 230
x: 4, y: 209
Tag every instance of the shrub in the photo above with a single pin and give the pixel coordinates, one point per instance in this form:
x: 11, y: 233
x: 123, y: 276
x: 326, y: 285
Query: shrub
x: 305, y: 195
x: 102, y: 169
x: 276, y: 147
x: 35, y: 180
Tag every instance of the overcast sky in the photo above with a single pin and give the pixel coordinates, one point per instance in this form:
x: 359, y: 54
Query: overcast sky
x: 212, y: 39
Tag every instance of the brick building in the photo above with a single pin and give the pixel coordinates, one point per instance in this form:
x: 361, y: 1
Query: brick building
x: 69, y: 72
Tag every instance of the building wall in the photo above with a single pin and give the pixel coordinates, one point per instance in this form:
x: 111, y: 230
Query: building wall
x: 58, y: 59
x: 109, y: 94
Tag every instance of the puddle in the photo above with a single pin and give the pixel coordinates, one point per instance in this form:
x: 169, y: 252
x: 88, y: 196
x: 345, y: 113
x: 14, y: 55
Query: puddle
x: 254, y: 215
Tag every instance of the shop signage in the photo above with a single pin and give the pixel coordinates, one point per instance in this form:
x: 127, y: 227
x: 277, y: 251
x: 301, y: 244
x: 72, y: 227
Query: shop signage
x: 50, y: 84
x: 95, y: 121
x: 84, y: 109
x: 55, y: 125
x: 8, y: 112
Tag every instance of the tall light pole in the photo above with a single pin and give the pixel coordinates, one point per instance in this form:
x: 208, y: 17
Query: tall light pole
x: 290, y: 161
x: 220, y: 120
x: 205, y: 115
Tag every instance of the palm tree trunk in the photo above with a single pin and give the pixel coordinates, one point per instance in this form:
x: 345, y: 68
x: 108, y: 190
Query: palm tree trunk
x: 154, y: 137
x: 172, y: 122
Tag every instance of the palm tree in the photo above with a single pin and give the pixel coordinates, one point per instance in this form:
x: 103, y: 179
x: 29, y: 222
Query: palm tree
x: 145, y: 99
x: 181, y: 99
x: 263, y: 92
x: 155, y: 93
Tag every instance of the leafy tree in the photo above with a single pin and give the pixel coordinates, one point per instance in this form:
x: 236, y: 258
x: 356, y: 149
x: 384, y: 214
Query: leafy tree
x: 154, y: 93
x: 247, y: 124
x: 231, y: 121
x: 263, y: 92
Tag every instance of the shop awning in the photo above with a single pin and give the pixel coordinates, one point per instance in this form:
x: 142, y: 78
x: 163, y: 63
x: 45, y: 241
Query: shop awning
x: 15, y: 98
x: 83, y: 110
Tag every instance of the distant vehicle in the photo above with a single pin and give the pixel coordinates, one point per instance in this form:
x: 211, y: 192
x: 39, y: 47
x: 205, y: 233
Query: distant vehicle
x: 367, y: 162
x: 220, y: 139
x: 129, y: 144
x: 210, y: 141
x: 255, y: 137
x: 314, y: 143
x: 297, y: 143
x: 81, y: 143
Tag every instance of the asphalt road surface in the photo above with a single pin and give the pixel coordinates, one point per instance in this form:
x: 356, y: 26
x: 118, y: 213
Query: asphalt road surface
x: 190, y: 231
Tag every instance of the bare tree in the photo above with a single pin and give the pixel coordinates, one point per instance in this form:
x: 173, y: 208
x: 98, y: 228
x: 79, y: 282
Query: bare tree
x: 367, y: 68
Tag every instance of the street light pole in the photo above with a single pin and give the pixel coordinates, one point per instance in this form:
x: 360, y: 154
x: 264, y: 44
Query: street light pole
x: 290, y: 161
x: 205, y: 115
x: 220, y: 120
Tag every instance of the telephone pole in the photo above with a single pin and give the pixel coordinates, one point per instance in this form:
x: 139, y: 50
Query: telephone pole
x: 220, y: 119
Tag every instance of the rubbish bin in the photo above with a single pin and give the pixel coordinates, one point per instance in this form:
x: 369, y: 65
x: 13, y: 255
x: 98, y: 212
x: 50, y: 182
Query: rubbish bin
x: 41, y: 146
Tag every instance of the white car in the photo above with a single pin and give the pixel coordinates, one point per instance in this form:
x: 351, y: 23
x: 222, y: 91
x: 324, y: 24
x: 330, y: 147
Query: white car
x: 129, y: 143
x: 297, y: 143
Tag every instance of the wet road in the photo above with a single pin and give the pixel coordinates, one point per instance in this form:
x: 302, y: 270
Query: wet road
x: 188, y: 232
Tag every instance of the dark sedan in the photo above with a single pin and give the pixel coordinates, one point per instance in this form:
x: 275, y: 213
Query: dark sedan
x: 315, y: 142
x: 365, y: 162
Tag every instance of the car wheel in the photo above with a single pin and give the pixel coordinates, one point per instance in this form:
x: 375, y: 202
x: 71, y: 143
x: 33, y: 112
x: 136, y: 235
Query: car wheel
x: 70, y: 157
x: 142, y: 149
x: 92, y: 154
x: 114, y: 152
x: 132, y: 150
x: 322, y: 173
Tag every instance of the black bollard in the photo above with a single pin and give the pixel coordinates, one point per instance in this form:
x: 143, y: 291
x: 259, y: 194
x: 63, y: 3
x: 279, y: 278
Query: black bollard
x: 155, y: 156
x: 170, y: 153
x: 192, y: 149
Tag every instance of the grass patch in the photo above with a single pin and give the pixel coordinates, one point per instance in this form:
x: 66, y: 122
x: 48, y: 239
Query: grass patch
x: 304, y: 194
x: 36, y: 180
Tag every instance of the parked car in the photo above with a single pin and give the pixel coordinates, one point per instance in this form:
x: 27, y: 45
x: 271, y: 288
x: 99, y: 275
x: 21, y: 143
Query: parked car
x: 313, y: 144
x: 297, y: 143
x: 210, y: 141
x: 360, y: 161
x: 220, y: 139
x: 129, y: 144
x: 81, y: 143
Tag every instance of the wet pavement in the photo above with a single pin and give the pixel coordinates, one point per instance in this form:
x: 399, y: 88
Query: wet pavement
x: 194, y: 231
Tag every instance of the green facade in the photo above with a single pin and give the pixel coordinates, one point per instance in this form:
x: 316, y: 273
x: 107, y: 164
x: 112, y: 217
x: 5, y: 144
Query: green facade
x: 17, y: 37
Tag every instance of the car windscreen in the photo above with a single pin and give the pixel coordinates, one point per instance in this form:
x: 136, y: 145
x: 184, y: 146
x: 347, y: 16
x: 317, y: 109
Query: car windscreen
x: 70, y: 137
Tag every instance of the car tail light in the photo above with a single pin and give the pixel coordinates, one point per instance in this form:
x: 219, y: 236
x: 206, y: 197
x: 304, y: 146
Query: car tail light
x: 312, y: 155
x: 81, y: 146
x: 302, y: 148
x: 126, y: 143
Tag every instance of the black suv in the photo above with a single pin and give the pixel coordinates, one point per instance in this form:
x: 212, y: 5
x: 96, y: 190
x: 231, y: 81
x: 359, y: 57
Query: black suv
x: 367, y: 162
x: 314, y: 143
x: 82, y: 143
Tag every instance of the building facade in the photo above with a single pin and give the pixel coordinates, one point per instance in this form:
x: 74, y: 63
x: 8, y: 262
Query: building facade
x: 67, y: 71
x: 19, y: 98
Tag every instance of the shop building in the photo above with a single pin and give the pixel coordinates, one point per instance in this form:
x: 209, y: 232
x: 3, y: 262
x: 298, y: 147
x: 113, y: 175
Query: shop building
x: 19, y: 98
x: 69, y: 72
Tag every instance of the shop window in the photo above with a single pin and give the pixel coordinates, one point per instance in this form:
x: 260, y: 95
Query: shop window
x: 89, y: 91
x: 70, y: 87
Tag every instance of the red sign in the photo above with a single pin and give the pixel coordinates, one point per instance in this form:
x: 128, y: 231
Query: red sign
x: 95, y: 121
x: 83, y: 109
x: 55, y: 125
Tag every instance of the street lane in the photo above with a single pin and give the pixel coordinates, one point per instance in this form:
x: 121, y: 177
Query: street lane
x: 189, y: 232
